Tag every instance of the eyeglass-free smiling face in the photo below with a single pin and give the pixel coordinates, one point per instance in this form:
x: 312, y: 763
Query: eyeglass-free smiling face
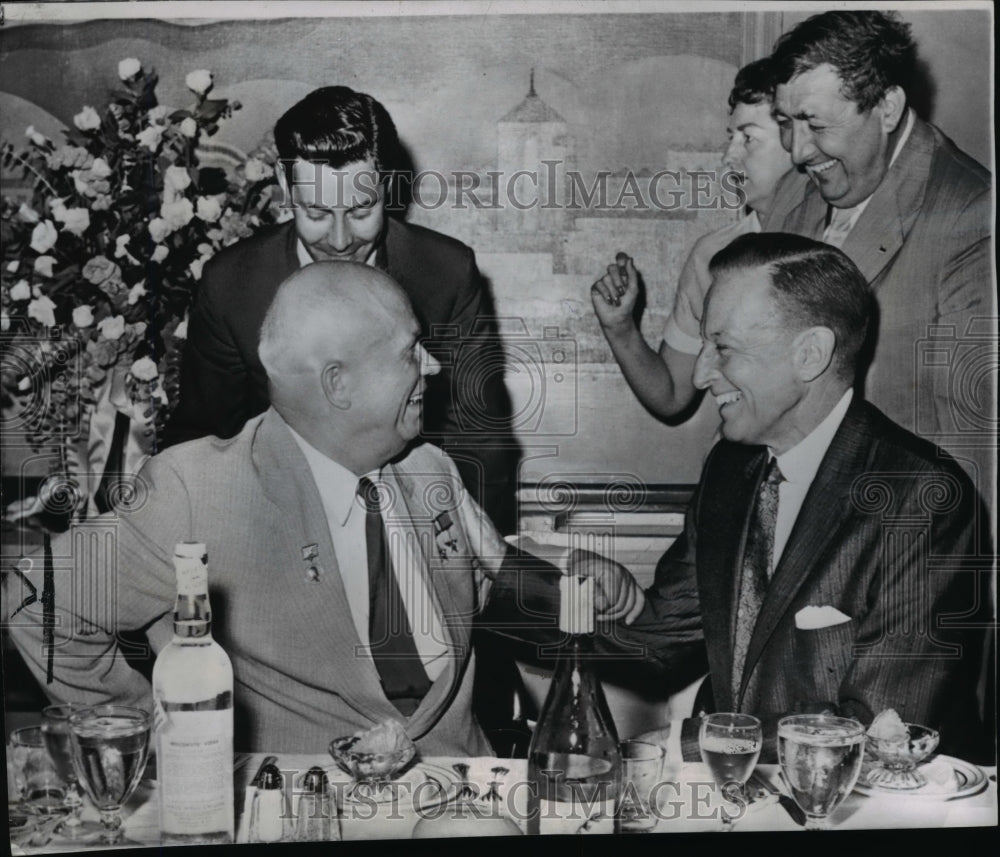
x: 846, y: 152
x: 755, y: 152
x: 339, y: 213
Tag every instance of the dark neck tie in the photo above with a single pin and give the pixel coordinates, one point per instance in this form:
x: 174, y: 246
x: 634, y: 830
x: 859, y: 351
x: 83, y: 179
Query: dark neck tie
x: 757, y: 568
x: 404, y: 679
x: 114, y: 467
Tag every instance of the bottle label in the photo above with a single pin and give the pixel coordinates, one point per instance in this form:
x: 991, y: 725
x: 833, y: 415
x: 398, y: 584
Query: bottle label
x: 195, y: 771
x: 192, y: 576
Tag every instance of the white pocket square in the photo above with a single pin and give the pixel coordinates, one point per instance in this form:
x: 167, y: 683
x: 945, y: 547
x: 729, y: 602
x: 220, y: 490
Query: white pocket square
x: 812, y: 618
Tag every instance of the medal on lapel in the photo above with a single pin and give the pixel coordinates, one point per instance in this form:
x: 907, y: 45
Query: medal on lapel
x: 444, y: 536
x: 310, y: 553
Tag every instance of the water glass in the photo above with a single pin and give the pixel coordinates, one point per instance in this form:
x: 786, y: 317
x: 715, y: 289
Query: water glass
x: 36, y: 775
x: 56, y: 731
x: 642, y: 768
x: 730, y: 745
x: 820, y: 758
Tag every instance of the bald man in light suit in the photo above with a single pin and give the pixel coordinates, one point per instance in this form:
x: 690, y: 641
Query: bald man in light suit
x: 289, y: 539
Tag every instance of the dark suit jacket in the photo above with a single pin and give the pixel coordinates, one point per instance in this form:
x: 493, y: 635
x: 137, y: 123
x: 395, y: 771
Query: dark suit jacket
x: 467, y: 409
x: 890, y: 534
x: 924, y: 245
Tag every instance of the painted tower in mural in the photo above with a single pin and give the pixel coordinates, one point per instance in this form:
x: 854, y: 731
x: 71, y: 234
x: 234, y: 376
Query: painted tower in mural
x: 534, y: 151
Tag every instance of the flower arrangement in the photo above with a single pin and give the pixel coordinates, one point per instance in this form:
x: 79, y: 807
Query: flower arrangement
x: 101, y: 262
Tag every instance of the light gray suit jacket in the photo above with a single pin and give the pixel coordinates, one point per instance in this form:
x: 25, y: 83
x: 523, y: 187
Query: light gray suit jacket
x: 924, y: 245
x: 301, y: 676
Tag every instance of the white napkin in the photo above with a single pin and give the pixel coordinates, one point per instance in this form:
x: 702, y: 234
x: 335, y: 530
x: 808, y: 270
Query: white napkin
x: 813, y: 618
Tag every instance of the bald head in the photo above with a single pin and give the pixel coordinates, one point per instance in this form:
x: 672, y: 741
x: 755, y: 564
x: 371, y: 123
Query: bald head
x: 345, y: 366
x: 326, y: 311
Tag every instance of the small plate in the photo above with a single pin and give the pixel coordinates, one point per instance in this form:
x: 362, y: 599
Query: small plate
x: 429, y: 784
x: 971, y: 780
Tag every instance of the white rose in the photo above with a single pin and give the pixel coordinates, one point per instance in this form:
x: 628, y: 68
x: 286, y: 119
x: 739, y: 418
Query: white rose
x: 199, y: 82
x: 43, y: 265
x: 176, y: 179
x: 87, y: 119
x: 160, y: 251
x: 181, y: 331
x: 100, y: 169
x: 144, y: 369
x: 28, y: 214
x: 112, y: 328
x: 20, y: 291
x: 79, y: 182
x: 83, y: 316
x: 43, y: 237
x: 157, y: 114
x: 34, y: 136
x: 13, y: 266
x: 256, y: 170
x: 129, y: 68
x: 120, y: 242
x: 196, y: 266
x: 159, y: 229
x: 43, y: 310
x: 150, y: 137
x: 209, y: 209
x: 76, y: 220
x: 58, y: 209
x: 189, y: 128
x: 136, y: 292
x: 177, y: 214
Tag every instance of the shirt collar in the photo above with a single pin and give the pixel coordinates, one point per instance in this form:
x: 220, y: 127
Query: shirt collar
x: 305, y: 259
x: 337, y: 485
x: 800, y: 463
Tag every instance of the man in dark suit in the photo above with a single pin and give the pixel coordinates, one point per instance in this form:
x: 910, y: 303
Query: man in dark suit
x: 910, y: 209
x: 338, y: 150
x: 830, y: 558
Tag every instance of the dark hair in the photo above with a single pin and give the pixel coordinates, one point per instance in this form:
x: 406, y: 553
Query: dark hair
x: 337, y: 126
x: 754, y: 83
x: 871, y: 51
x: 813, y: 283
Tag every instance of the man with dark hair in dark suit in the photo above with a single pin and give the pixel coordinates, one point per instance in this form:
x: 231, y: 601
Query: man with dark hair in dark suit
x: 830, y: 560
x: 339, y: 150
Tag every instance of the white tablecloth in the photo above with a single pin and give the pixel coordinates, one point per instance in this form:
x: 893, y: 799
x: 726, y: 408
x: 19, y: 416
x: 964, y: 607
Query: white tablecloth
x: 688, y: 802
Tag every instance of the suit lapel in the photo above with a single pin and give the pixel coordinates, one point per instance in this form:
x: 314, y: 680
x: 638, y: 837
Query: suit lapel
x: 319, y: 607
x: 824, y: 511
x: 885, y: 223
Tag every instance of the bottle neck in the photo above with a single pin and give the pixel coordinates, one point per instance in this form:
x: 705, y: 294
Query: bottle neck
x: 192, y: 616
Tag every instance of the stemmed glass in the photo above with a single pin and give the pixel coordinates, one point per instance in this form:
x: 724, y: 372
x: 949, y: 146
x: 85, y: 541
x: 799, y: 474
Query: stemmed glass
x: 109, y: 744
x: 730, y: 746
x: 820, y: 759
x: 58, y: 741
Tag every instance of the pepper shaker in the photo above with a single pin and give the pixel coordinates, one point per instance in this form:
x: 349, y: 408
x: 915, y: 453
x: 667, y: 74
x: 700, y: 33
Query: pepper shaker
x: 316, y: 819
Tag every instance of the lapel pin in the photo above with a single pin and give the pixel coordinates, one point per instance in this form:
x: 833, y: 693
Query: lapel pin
x: 310, y: 554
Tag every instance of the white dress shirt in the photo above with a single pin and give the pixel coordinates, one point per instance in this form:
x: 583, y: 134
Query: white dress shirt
x: 799, y: 465
x: 843, y: 219
x: 345, y: 514
x: 306, y: 259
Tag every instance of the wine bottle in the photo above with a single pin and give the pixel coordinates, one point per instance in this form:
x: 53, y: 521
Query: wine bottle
x: 574, y: 763
x: 193, y: 700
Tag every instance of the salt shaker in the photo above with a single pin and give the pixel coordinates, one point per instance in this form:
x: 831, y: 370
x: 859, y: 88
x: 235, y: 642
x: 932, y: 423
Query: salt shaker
x: 268, y: 810
x: 317, y: 812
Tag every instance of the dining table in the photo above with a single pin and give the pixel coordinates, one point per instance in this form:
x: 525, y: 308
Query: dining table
x: 687, y: 801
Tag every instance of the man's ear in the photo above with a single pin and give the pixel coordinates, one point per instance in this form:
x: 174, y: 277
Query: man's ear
x: 335, y: 386
x: 814, y: 349
x: 281, y: 174
x: 893, y: 106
